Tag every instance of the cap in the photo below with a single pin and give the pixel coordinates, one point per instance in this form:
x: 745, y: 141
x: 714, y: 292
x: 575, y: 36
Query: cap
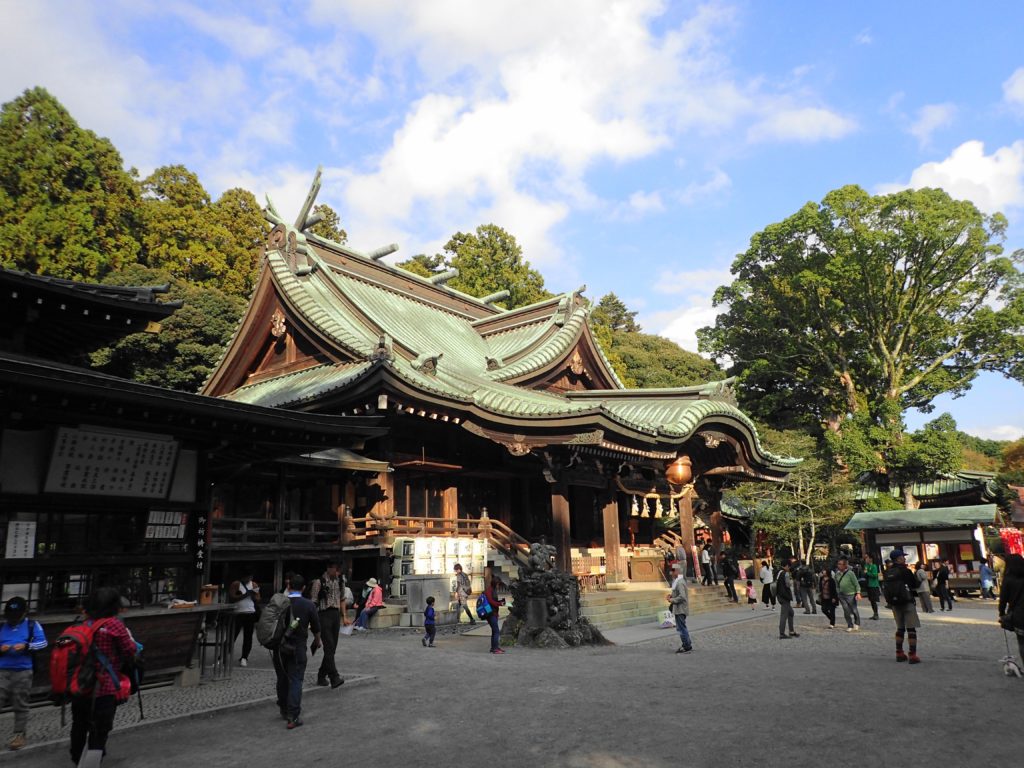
x: 897, y: 553
x: 15, y: 606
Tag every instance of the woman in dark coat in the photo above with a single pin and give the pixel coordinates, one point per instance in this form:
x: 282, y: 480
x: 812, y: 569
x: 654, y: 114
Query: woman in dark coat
x: 1011, y: 597
x: 827, y: 593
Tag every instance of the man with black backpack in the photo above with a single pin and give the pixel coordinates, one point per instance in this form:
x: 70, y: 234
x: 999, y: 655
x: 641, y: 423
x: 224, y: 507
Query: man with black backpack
x: 808, y: 598
x: 328, y: 594
x: 899, y: 586
x: 20, y: 639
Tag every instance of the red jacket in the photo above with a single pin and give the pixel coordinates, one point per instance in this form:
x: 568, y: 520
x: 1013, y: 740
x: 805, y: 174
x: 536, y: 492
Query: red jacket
x: 491, y: 593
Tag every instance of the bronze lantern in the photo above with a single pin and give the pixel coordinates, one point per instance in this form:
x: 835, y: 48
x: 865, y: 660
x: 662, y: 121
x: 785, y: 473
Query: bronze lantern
x: 680, y: 471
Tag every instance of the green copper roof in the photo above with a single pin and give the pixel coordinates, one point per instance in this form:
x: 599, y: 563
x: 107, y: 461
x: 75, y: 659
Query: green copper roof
x: 952, y: 485
x: 939, y: 517
x: 421, y: 342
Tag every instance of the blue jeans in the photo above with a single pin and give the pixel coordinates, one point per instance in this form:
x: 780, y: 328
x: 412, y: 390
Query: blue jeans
x: 492, y: 619
x: 290, y: 671
x: 684, y: 634
x: 365, y: 615
x: 850, y: 612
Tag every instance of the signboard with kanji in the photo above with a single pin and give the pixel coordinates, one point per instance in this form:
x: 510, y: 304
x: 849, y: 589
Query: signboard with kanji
x: 21, y: 539
x: 97, y: 462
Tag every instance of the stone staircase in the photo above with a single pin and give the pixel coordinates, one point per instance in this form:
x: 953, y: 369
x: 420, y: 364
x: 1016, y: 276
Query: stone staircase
x: 642, y: 603
x: 504, y: 567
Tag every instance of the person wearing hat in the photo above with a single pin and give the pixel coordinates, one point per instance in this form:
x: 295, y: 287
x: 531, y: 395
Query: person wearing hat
x: 20, y: 638
x: 900, y: 593
x: 679, y: 599
x: 374, y: 602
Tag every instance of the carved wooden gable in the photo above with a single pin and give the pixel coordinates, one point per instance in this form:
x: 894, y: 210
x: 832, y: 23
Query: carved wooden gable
x: 582, y: 369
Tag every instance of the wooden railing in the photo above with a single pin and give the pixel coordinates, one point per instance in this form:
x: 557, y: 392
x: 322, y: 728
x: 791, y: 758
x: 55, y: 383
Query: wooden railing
x: 258, y: 530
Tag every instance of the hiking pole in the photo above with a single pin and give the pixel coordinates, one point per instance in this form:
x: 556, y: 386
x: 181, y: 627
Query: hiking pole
x: 138, y: 692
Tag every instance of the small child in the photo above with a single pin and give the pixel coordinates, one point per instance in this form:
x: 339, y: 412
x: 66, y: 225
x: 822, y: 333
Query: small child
x: 429, y: 624
x: 751, y: 594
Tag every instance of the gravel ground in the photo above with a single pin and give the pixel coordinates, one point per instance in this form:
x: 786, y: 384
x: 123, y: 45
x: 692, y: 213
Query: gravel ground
x: 742, y: 695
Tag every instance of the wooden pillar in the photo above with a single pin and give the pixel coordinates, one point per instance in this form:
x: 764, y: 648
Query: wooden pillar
x: 686, y: 528
x: 610, y: 521
x: 716, y: 532
x: 450, y: 508
x: 560, y: 526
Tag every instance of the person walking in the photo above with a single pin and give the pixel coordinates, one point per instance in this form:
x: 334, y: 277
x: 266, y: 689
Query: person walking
x: 290, y: 662
x: 491, y: 593
x: 751, y: 594
x: 768, y: 580
x: 705, y: 566
x: 924, y: 588
x: 679, y: 599
x: 374, y: 602
x: 988, y: 581
x: 784, y: 592
x: 828, y: 595
x: 942, y: 587
x: 328, y: 595
x: 462, y: 590
x: 92, y: 715
x: 848, y: 592
x: 20, y: 639
x: 900, y: 592
x: 805, y: 577
x: 429, y: 623
x: 245, y: 594
x: 871, y: 573
x: 1011, y: 598
x: 729, y: 573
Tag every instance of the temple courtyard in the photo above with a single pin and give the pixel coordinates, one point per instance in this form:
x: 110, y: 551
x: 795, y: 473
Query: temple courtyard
x: 742, y: 697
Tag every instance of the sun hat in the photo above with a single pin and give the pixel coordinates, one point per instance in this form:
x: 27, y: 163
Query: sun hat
x: 371, y: 582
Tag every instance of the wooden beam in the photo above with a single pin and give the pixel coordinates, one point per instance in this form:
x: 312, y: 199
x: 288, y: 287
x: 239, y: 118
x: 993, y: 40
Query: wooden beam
x: 610, y: 519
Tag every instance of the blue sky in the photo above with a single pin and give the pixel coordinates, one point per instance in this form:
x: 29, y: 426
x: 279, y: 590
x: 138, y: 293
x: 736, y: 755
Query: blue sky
x: 632, y: 146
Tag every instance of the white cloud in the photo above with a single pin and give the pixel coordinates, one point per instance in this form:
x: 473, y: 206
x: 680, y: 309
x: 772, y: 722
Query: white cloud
x: 930, y: 118
x: 992, y: 182
x: 999, y: 432
x: 696, y: 192
x: 639, y: 204
x: 1013, y: 88
x: 806, y: 124
x: 695, y: 288
x: 864, y: 37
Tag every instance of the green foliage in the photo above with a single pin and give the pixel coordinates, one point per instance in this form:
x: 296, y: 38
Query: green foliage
x: 67, y: 206
x: 926, y: 454
x: 895, y: 297
x: 423, y: 265
x: 241, y: 230
x: 993, y: 449
x: 189, y: 344
x: 604, y: 336
x: 329, y: 227
x: 651, y: 361
x: 614, y: 314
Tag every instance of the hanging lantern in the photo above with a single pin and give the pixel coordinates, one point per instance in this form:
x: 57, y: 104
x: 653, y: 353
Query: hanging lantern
x: 634, y: 508
x: 680, y: 471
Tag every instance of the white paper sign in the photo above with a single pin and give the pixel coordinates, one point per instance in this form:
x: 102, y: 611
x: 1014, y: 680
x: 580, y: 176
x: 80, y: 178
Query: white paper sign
x: 21, y: 539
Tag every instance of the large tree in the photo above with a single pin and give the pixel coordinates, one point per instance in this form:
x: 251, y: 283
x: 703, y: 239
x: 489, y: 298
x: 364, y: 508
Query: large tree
x: 864, y: 306
x: 68, y: 208
x: 329, y: 227
x: 489, y: 260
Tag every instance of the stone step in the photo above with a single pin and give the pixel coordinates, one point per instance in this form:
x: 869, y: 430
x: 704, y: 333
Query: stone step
x: 623, y: 608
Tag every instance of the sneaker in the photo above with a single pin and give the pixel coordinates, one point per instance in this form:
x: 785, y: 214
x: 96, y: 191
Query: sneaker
x: 850, y: 629
x: 794, y: 634
x: 856, y: 627
x: 293, y: 723
x: 915, y: 659
x: 685, y: 649
x: 322, y: 682
x: 497, y: 650
x: 243, y: 663
x: 783, y: 637
x: 337, y: 682
x: 359, y: 629
x: 874, y: 618
x: 424, y: 641
x: 17, y: 741
x: 901, y: 656
x: 431, y: 645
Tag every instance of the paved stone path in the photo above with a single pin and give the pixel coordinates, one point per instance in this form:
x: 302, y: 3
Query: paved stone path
x: 743, y: 696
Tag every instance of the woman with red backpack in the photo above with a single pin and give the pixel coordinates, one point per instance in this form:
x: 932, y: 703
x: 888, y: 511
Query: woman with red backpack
x: 92, y: 714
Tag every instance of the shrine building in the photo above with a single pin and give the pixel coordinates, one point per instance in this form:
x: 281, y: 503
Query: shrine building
x: 508, y: 423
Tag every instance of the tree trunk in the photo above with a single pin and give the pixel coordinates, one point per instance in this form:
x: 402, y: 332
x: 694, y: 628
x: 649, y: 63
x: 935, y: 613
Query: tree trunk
x: 909, y: 500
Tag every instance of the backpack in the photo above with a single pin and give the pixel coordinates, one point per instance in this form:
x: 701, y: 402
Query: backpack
x: 806, y: 578
x: 273, y: 621
x: 75, y: 661
x: 483, y: 607
x: 895, y: 589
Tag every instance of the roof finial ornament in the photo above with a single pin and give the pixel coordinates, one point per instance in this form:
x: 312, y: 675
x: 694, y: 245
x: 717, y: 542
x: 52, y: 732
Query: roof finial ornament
x: 303, y: 221
x: 443, y: 277
x: 491, y: 298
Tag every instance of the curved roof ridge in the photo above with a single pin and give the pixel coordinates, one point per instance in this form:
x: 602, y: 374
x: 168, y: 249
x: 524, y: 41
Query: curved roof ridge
x: 547, y: 350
